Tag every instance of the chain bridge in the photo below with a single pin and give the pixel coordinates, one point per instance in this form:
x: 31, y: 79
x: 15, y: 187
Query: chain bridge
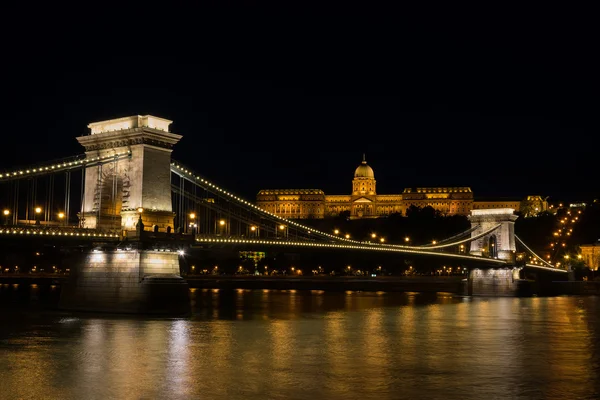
x: 134, y: 209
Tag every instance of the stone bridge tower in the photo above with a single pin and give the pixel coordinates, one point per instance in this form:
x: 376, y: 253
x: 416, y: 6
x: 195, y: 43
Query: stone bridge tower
x: 500, y: 243
x: 138, y: 178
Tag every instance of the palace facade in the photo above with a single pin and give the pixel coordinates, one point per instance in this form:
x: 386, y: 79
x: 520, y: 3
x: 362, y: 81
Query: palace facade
x: 364, y: 202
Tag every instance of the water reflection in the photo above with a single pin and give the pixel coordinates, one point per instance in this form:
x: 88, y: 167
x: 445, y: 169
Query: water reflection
x: 255, y: 344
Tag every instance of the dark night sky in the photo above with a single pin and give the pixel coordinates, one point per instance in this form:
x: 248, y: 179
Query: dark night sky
x: 502, y: 100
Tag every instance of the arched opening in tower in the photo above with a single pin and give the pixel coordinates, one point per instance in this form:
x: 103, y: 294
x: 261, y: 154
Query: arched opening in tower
x: 110, y: 200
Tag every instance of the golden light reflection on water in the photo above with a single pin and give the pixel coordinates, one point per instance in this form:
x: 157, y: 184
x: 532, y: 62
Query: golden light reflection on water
x: 565, y: 325
x: 312, y: 345
x: 20, y: 370
x: 375, y: 346
x: 337, y: 351
x: 403, y: 347
x: 293, y: 303
x: 283, y: 340
x: 239, y: 304
x: 179, y: 360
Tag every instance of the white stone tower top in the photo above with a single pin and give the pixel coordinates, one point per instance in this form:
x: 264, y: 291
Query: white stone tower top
x: 136, y: 173
x: 135, y: 121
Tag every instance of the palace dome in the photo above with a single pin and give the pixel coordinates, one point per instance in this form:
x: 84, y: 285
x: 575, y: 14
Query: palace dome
x: 364, y: 171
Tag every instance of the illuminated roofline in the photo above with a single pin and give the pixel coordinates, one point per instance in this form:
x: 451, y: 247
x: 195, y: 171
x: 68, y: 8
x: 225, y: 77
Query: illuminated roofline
x: 493, y: 211
x: 130, y: 117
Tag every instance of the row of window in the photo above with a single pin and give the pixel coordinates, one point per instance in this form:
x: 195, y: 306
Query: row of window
x: 291, y: 208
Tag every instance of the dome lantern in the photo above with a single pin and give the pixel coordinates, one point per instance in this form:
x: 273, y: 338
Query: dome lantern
x: 364, y: 170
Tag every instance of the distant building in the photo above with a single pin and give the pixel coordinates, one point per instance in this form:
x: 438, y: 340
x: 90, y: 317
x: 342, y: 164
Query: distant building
x: 590, y: 253
x: 533, y: 205
x: 527, y: 207
x: 447, y: 200
x: 293, y: 203
x: 364, y: 202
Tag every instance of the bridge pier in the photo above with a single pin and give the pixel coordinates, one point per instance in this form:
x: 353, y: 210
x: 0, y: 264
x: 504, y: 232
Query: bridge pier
x: 127, y: 281
x: 505, y: 281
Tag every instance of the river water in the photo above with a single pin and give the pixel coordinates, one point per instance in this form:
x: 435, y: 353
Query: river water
x: 255, y: 344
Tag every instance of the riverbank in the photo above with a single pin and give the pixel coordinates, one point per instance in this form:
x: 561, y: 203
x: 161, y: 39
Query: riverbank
x: 339, y: 283
x: 425, y: 284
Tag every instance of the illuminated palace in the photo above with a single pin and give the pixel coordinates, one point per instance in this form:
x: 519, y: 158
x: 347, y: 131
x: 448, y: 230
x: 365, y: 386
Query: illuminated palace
x: 364, y: 202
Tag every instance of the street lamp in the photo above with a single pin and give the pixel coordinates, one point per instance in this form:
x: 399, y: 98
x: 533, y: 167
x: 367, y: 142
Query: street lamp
x: 382, y: 240
x: 254, y: 230
x: 6, y: 213
x: 61, y: 216
x: 38, y: 211
x: 193, y: 222
x: 282, y: 229
x: 140, y: 224
x: 336, y: 231
x: 221, y: 226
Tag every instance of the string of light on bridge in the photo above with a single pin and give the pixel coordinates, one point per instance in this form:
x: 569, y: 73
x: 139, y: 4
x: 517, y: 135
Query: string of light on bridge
x: 551, y: 268
x: 346, y: 246
x: 194, y: 177
x: 451, y: 244
x: 63, y: 233
x: 61, y: 166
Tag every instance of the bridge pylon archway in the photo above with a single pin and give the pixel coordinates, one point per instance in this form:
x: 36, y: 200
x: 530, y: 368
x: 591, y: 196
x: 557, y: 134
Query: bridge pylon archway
x: 500, y: 243
x: 137, y: 181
